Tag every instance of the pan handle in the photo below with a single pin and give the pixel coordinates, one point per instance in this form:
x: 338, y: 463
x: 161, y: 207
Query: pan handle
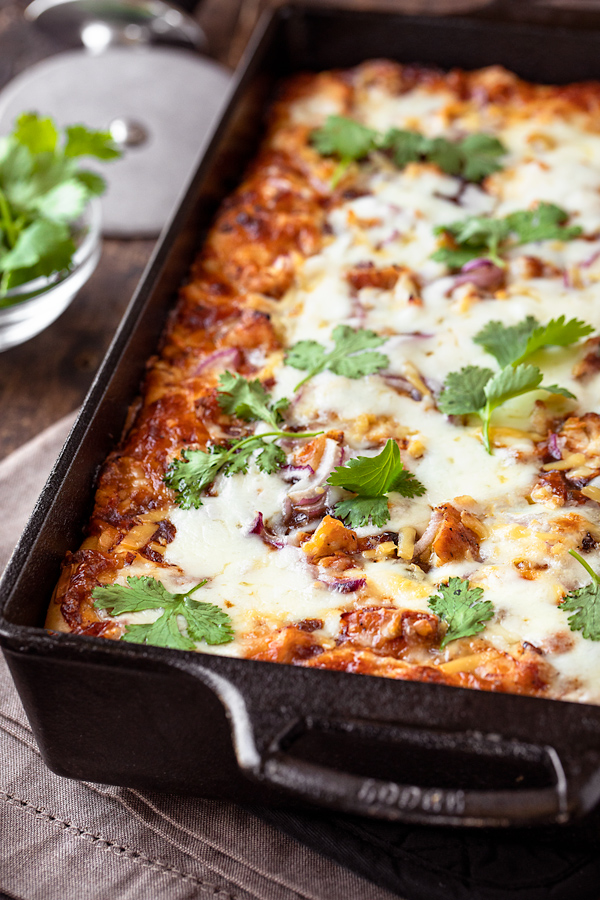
x: 272, y: 762
x: 440, y: 806
x: 284, y: 764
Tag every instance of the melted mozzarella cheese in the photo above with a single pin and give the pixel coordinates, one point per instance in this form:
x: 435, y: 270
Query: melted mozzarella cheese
x: 393, y: 223
x: 255, y: 583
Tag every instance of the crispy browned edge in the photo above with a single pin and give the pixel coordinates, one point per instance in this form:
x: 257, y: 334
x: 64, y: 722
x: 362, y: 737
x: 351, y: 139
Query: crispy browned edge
x: 272, y: 222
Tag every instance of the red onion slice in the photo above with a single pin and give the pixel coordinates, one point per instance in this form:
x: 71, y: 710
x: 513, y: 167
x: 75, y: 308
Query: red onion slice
x: 590, y: 261
x: 344, y: 586
x: 229, y: 357
x: 402, y: 385
x: 305, y: 490
x: 482, y: 273
x: 266, y: 536
x: 554, y: 449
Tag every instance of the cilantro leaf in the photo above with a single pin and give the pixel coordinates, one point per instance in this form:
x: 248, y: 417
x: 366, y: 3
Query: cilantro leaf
x: 361, y: 510
x: 193, y: 472
x: 142, y: 593
x: 205, y: 621
x: 82, y: 141
x: 557, y: 333
x: 373, y: 476
x: 406, y: 146
x: 43, y: 191
x: 464, y: 391
x: 348, y: 357
x: 94, y: 183
x: 346, y: 139
x: 456, y: 258
x: 371, y: 479
x: 480, y: 154
x: 42, y: 240
x: 248, y: 399
x: 461, y: 607
x: 584, y: 603
x: 444, y: 154
x: 476, y: 235
x: 477, y: 390
x: 239, y: 459
x: 473, y: 158
x: 307, y: 355
x: 506, y: 343
x: 16, y: 162
x: 65, y: 202
x: 164, y: 632
x: 37, y: 134
x: 556, y: 389
x: 508, y: 384
x: 513, y: 344
x: 543, y: 223
x: 271, y: 458
x: 482, y: 236
x: 196, y: 470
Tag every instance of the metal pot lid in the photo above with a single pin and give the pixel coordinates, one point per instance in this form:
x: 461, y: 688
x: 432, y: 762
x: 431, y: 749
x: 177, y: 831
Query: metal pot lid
x: 158, y: 102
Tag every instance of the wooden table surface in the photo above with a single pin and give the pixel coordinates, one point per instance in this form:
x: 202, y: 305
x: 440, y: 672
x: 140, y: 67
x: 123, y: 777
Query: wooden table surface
x: 49, y: 375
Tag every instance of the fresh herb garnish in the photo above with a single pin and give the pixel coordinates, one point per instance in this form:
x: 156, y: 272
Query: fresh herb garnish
x: 584, y: 603
x: 352, y: 355
x: 473, y: 157
x: 346, y: 139
x: 248, y: 400
x: 42, y: 191
x: 371, y: 478
x: 511, y: 345
x: 196, y: 470
x: 204, y: 621
x: 477, y: 390
x: 461, y: 607
x: 482, y: 236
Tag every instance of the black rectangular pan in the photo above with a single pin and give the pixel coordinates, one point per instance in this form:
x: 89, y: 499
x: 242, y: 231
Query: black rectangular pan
x: 251, y: 731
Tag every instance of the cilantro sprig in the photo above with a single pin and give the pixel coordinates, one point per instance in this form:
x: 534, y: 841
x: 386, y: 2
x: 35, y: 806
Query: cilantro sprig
x: 346, y: 139
x: 483, y: 236
x: 248, y: 400
x: 371, y: 478
x: 478, y: 390
x: 472, y: 158
x: 461, y: 607
x: 511, y: 345
x: 352, y: 355
x: 195, y: 470
x: 204, y: 621
x: 584, y: 604
x: 43, y: 190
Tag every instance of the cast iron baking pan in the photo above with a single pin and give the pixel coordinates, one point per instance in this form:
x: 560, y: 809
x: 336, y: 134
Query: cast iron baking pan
x: 251, y: 731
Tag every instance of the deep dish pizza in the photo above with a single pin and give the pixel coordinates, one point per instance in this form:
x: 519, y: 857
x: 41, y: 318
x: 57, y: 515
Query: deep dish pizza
x: 370, y: 440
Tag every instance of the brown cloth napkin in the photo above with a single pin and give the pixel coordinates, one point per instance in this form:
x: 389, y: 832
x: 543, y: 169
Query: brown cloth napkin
x: 69, y: 840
